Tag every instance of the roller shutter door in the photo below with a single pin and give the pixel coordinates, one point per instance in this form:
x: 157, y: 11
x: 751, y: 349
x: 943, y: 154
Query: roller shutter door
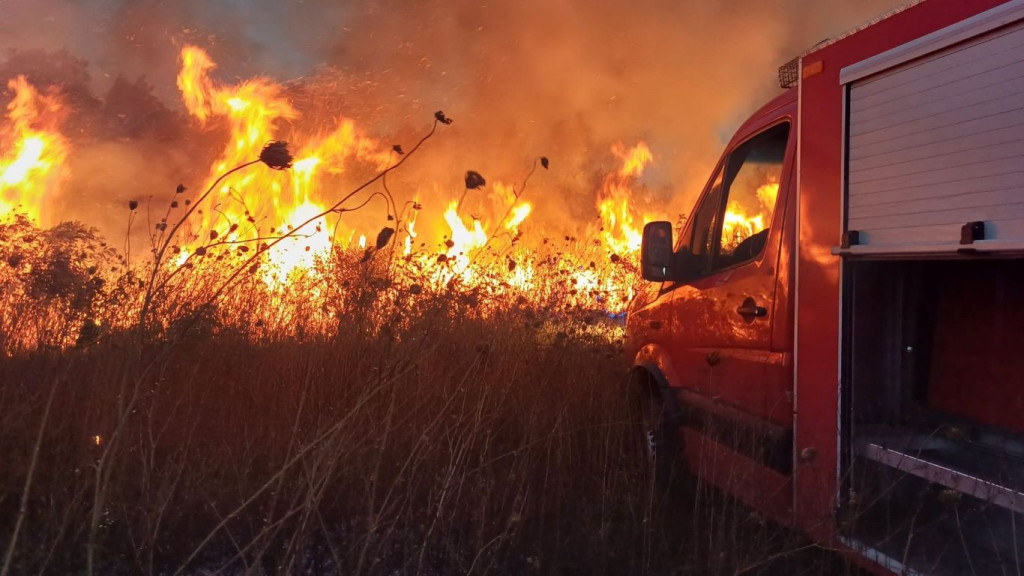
x: 937, y: 142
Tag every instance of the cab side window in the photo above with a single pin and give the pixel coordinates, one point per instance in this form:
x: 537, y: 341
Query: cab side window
x: 731, y: 225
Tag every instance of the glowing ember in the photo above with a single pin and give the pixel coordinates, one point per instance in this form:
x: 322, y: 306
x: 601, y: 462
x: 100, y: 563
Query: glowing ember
x: 31, y: 150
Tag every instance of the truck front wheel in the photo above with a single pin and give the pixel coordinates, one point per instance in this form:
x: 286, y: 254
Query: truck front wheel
x: 656, y: 430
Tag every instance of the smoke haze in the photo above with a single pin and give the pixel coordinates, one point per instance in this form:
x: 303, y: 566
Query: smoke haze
x: 566, y: 79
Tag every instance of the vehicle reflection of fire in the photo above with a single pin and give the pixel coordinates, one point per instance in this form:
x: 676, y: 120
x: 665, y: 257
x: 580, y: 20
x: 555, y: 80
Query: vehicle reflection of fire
x: 739, y: 224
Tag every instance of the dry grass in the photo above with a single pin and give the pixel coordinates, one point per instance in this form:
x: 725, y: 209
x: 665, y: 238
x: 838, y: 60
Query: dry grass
x: 445, y: 432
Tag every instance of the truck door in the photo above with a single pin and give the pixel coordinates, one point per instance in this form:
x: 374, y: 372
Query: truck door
x: 736, y: 387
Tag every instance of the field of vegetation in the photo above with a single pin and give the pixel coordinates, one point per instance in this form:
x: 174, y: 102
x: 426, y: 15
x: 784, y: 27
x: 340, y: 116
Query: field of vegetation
x: 363, y: 423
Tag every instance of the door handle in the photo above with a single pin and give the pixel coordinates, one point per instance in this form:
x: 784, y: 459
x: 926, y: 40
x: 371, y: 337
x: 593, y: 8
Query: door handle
x: 751, y: 309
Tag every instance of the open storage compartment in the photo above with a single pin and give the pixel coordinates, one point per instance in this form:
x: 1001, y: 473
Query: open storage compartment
x: 933, y: 413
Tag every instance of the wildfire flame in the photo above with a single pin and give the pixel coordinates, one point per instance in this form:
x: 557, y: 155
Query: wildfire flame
x: 247, y: 202
x: 32, y: 150
x: 477, y: 238
x: 620, y: 224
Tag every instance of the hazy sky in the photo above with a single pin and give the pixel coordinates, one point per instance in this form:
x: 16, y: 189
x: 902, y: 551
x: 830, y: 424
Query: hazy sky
x: 567, y: 79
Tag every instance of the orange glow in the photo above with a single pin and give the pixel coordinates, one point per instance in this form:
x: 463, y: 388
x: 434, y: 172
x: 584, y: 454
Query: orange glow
x: 634, y: 160
x: 738, y: 224
x: 32, y: 151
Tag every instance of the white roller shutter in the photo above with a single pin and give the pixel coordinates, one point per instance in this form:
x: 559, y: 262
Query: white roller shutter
x: 938, y: 141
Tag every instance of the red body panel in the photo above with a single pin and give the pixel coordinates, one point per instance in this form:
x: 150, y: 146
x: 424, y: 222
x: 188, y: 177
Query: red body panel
x: 820, y: 213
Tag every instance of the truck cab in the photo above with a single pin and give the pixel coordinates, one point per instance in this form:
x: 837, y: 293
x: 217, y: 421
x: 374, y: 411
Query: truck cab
x: 831, y: 337
x: 717, y: 328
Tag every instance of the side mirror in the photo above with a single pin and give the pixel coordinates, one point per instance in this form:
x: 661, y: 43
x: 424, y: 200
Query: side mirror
x: 656, y: 252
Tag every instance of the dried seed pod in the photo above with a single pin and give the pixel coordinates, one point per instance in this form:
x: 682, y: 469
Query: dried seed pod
x: 439, y: 115
x: 384, y: 236
x: 133, y: 204
x: 474, y: 180
x: 276, y: 155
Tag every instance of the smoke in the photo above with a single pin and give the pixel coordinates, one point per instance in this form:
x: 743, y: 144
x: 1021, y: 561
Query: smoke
x: 565, y: 79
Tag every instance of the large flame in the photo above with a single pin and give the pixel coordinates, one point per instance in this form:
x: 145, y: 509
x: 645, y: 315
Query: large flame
x: 262, y: 205
x: 481, y: 245
x: 621, y: 225
x: 32, y: 150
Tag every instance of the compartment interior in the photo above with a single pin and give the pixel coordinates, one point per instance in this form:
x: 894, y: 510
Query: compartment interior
x: 933, y: 399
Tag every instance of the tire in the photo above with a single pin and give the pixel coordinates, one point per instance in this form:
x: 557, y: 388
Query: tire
x: 656, y: 431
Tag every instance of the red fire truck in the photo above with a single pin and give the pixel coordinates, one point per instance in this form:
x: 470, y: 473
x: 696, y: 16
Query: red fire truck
x: 833, y: 335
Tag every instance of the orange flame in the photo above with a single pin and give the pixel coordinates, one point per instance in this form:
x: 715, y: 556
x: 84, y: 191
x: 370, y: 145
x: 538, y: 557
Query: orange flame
x: 30, y: 167
x: 620, y: 223
x: 254, y: 109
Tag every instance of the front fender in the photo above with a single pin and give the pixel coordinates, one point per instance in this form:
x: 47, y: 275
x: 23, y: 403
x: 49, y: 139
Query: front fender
x: 656, y: 360
x: 656, y: 363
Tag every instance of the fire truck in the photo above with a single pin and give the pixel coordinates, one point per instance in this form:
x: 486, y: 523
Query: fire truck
x: 835, y: 336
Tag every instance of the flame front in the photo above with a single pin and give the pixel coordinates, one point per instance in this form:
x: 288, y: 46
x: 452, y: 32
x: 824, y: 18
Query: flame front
x: 32, y: 151
x: 263, y: 205
x: 295, y: 227
x: 621, y: 225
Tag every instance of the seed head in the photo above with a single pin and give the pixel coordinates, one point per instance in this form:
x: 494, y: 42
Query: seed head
x: 474, y: 180
x: 439, y: 115
x: 276, y: 155
x: 384, y: 236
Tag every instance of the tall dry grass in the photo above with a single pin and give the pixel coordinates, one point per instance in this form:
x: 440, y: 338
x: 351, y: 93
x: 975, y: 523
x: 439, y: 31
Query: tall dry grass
x: 349, y: 424
x: 451, y: 446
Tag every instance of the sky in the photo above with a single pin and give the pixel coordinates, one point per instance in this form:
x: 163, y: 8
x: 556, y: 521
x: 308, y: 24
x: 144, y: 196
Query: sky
x: 567, y: 79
